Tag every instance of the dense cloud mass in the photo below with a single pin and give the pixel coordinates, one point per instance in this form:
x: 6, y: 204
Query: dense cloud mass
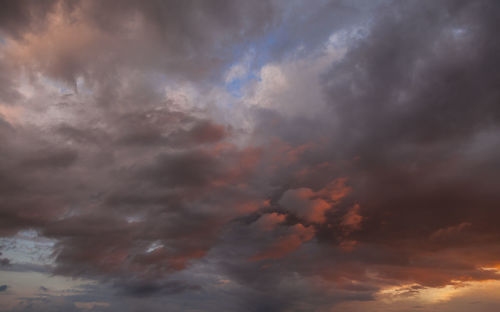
x: 249, y: 155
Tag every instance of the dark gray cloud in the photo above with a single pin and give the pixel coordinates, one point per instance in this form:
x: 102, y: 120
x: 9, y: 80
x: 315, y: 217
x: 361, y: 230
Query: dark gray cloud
x: 413, y: 109
x: 411, y: 102
x: 412, y: 127
x: 113, y: 147
x: 18, y: 16
x: 4, y: 262
x: 99, y: 40
x: 146, y: 289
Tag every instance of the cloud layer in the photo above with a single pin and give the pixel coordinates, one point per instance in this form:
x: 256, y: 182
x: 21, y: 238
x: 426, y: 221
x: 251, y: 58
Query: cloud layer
x: 249, y: 156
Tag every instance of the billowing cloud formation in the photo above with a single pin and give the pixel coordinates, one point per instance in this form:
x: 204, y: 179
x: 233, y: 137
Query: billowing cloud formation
x: 249, y: 156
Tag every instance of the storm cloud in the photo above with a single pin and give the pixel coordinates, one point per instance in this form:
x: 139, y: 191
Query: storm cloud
x: 249, y: 156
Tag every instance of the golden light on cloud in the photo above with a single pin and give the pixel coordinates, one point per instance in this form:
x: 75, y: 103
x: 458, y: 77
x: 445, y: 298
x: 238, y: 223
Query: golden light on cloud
x: 435, y: 295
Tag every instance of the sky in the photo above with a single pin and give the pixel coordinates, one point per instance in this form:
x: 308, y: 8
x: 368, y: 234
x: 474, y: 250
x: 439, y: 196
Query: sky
x: 232, y: 155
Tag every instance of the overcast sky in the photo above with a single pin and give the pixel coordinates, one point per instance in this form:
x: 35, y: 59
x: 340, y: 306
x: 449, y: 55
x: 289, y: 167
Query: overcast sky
x: 267, y: 156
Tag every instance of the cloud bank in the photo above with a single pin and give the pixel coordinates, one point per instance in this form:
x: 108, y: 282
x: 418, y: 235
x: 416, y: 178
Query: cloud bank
x: 249, y: 156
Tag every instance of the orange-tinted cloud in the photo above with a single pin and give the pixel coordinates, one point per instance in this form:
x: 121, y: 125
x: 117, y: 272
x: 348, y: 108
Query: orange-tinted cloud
x: 311, y: 205
x: 352, y: 219
x: 269, y: 221
x: 296, y: 236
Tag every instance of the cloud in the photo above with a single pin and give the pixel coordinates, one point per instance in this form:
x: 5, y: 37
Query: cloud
x: 148, y: 289
x: 352, y: 219
x: 286, y: 243
x: 359, y: 156
x: 299, y: 201
x: 312, y: 206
